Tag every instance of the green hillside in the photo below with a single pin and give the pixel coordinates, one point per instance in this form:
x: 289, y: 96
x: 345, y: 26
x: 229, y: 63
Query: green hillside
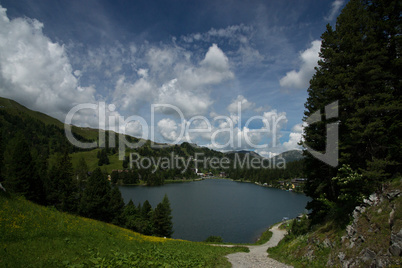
x: 14, y: 108
x: 36, y: 236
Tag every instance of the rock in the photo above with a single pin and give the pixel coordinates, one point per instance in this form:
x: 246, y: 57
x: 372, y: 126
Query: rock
x: 368, y: 255
x: 379, y: 211
x: 343, y: 238
x: 327, y: 243
x: 393, y: 194
x: 367, y: 202
x: 381, y: 263
x: 373, y: 198
x: 395, y: 250
x: 341, y: 256
x: 391, y: 218
x: 350, y: 230
x: 396, y: 244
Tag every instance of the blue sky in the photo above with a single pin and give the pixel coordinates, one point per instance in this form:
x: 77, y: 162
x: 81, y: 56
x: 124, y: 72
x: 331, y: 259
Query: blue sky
x: 203, y: 57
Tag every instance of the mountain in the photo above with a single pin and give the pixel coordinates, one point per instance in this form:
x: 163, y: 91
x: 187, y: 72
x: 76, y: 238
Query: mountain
x: 290, y: 156
x: 244, y: 152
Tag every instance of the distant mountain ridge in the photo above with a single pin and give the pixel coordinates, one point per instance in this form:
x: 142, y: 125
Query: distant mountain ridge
x: 290, y: 156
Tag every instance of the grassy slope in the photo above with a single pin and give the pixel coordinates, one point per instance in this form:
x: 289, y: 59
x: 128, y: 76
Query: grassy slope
x: 36, y: 236
x: 92, y: 160
x: 310, y: 250
x: 15, y: 108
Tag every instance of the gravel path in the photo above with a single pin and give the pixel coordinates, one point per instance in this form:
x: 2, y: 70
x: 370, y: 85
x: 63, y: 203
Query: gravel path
x: 258, y: 256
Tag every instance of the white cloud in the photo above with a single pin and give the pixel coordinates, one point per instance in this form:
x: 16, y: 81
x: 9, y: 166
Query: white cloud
x: 188, y: 102
x: 213, y: 69
x: 300, y: 79
x: 130, y: 96
x: 36, y: 71
x: 336, y: 6
x: 243, y: 102
x: 292, y: 143
x: 168, y: 129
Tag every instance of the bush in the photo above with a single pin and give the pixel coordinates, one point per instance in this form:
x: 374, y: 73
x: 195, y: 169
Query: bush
x: 300, y: 226
x: 214, y: 239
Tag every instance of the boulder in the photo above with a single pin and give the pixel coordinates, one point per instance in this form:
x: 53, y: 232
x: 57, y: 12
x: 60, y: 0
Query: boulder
x: 393, y: 194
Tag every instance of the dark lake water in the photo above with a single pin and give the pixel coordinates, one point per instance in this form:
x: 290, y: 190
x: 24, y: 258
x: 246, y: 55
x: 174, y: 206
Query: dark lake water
x: 238, y: 212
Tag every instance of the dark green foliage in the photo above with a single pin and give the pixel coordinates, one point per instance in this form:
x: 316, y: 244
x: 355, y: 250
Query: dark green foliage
x: 162, y: 219
x: 360, y: 67
x: 20, y: 174
x: 61, y: 188
x: 96, y: 197
x: 103, y: 158
x: 131, y: 215
x: 300, y: 226
x: 81, y: 173
x: 116, y: 206
x: 214, y: 239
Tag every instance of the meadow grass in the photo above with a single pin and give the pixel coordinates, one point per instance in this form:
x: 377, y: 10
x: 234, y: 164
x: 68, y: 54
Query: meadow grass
x: 37, y: 236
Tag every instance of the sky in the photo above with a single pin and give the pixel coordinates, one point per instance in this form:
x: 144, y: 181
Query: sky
x: 229, y: 75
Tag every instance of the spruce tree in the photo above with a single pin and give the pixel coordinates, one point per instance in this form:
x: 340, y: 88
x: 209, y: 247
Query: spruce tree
x: 96, y: 197
x: 20, y: 174
x: 60, y: 188
x: 162, y: 219
x: 116, y: 206
x: 360, y: 68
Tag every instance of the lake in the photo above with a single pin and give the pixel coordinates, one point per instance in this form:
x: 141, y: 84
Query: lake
x: 238, y: 212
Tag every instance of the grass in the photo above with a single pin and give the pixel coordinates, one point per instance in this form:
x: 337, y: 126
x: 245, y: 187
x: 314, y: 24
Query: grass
x: 264, y: 238
x: 36, y: 236
x: 92, y: 160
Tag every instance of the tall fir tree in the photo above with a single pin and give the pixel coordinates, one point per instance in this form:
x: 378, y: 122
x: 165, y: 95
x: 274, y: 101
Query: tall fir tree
x: 61, y: 189
x: 95, y: 199
x: 360, y: 67
x: 20, y: 174
x: 162, y: 219
x: 116, y: 206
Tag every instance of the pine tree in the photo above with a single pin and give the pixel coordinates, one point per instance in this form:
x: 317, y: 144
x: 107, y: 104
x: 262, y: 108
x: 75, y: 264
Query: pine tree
x: 96, y: 197
x: 60, y: 188
x: 116, y: 206
x: 162, y: 219
x: 131, y: 216
x: 360, y: 67
x: 20, y: 174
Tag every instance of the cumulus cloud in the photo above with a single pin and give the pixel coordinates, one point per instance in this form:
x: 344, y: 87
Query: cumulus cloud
x: 36, y: 71
x: 130, y: 96
x: 213, y: 69
x: 243, y: 102
x: 188, y: 102
x: 294, y: 137
x: 168, y: 129
x: 300, y: 79
x: 336, y: 6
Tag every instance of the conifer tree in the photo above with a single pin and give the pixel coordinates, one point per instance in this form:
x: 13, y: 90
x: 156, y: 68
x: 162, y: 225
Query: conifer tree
x: 20, y: 174
x: 60, y: 187
x: 116, y: 206
x: 360, y: 67
x: 96, y: 197
x: 162, y: 219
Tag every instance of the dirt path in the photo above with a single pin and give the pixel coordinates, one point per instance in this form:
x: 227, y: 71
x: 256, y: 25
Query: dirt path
x: 258, y: 256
